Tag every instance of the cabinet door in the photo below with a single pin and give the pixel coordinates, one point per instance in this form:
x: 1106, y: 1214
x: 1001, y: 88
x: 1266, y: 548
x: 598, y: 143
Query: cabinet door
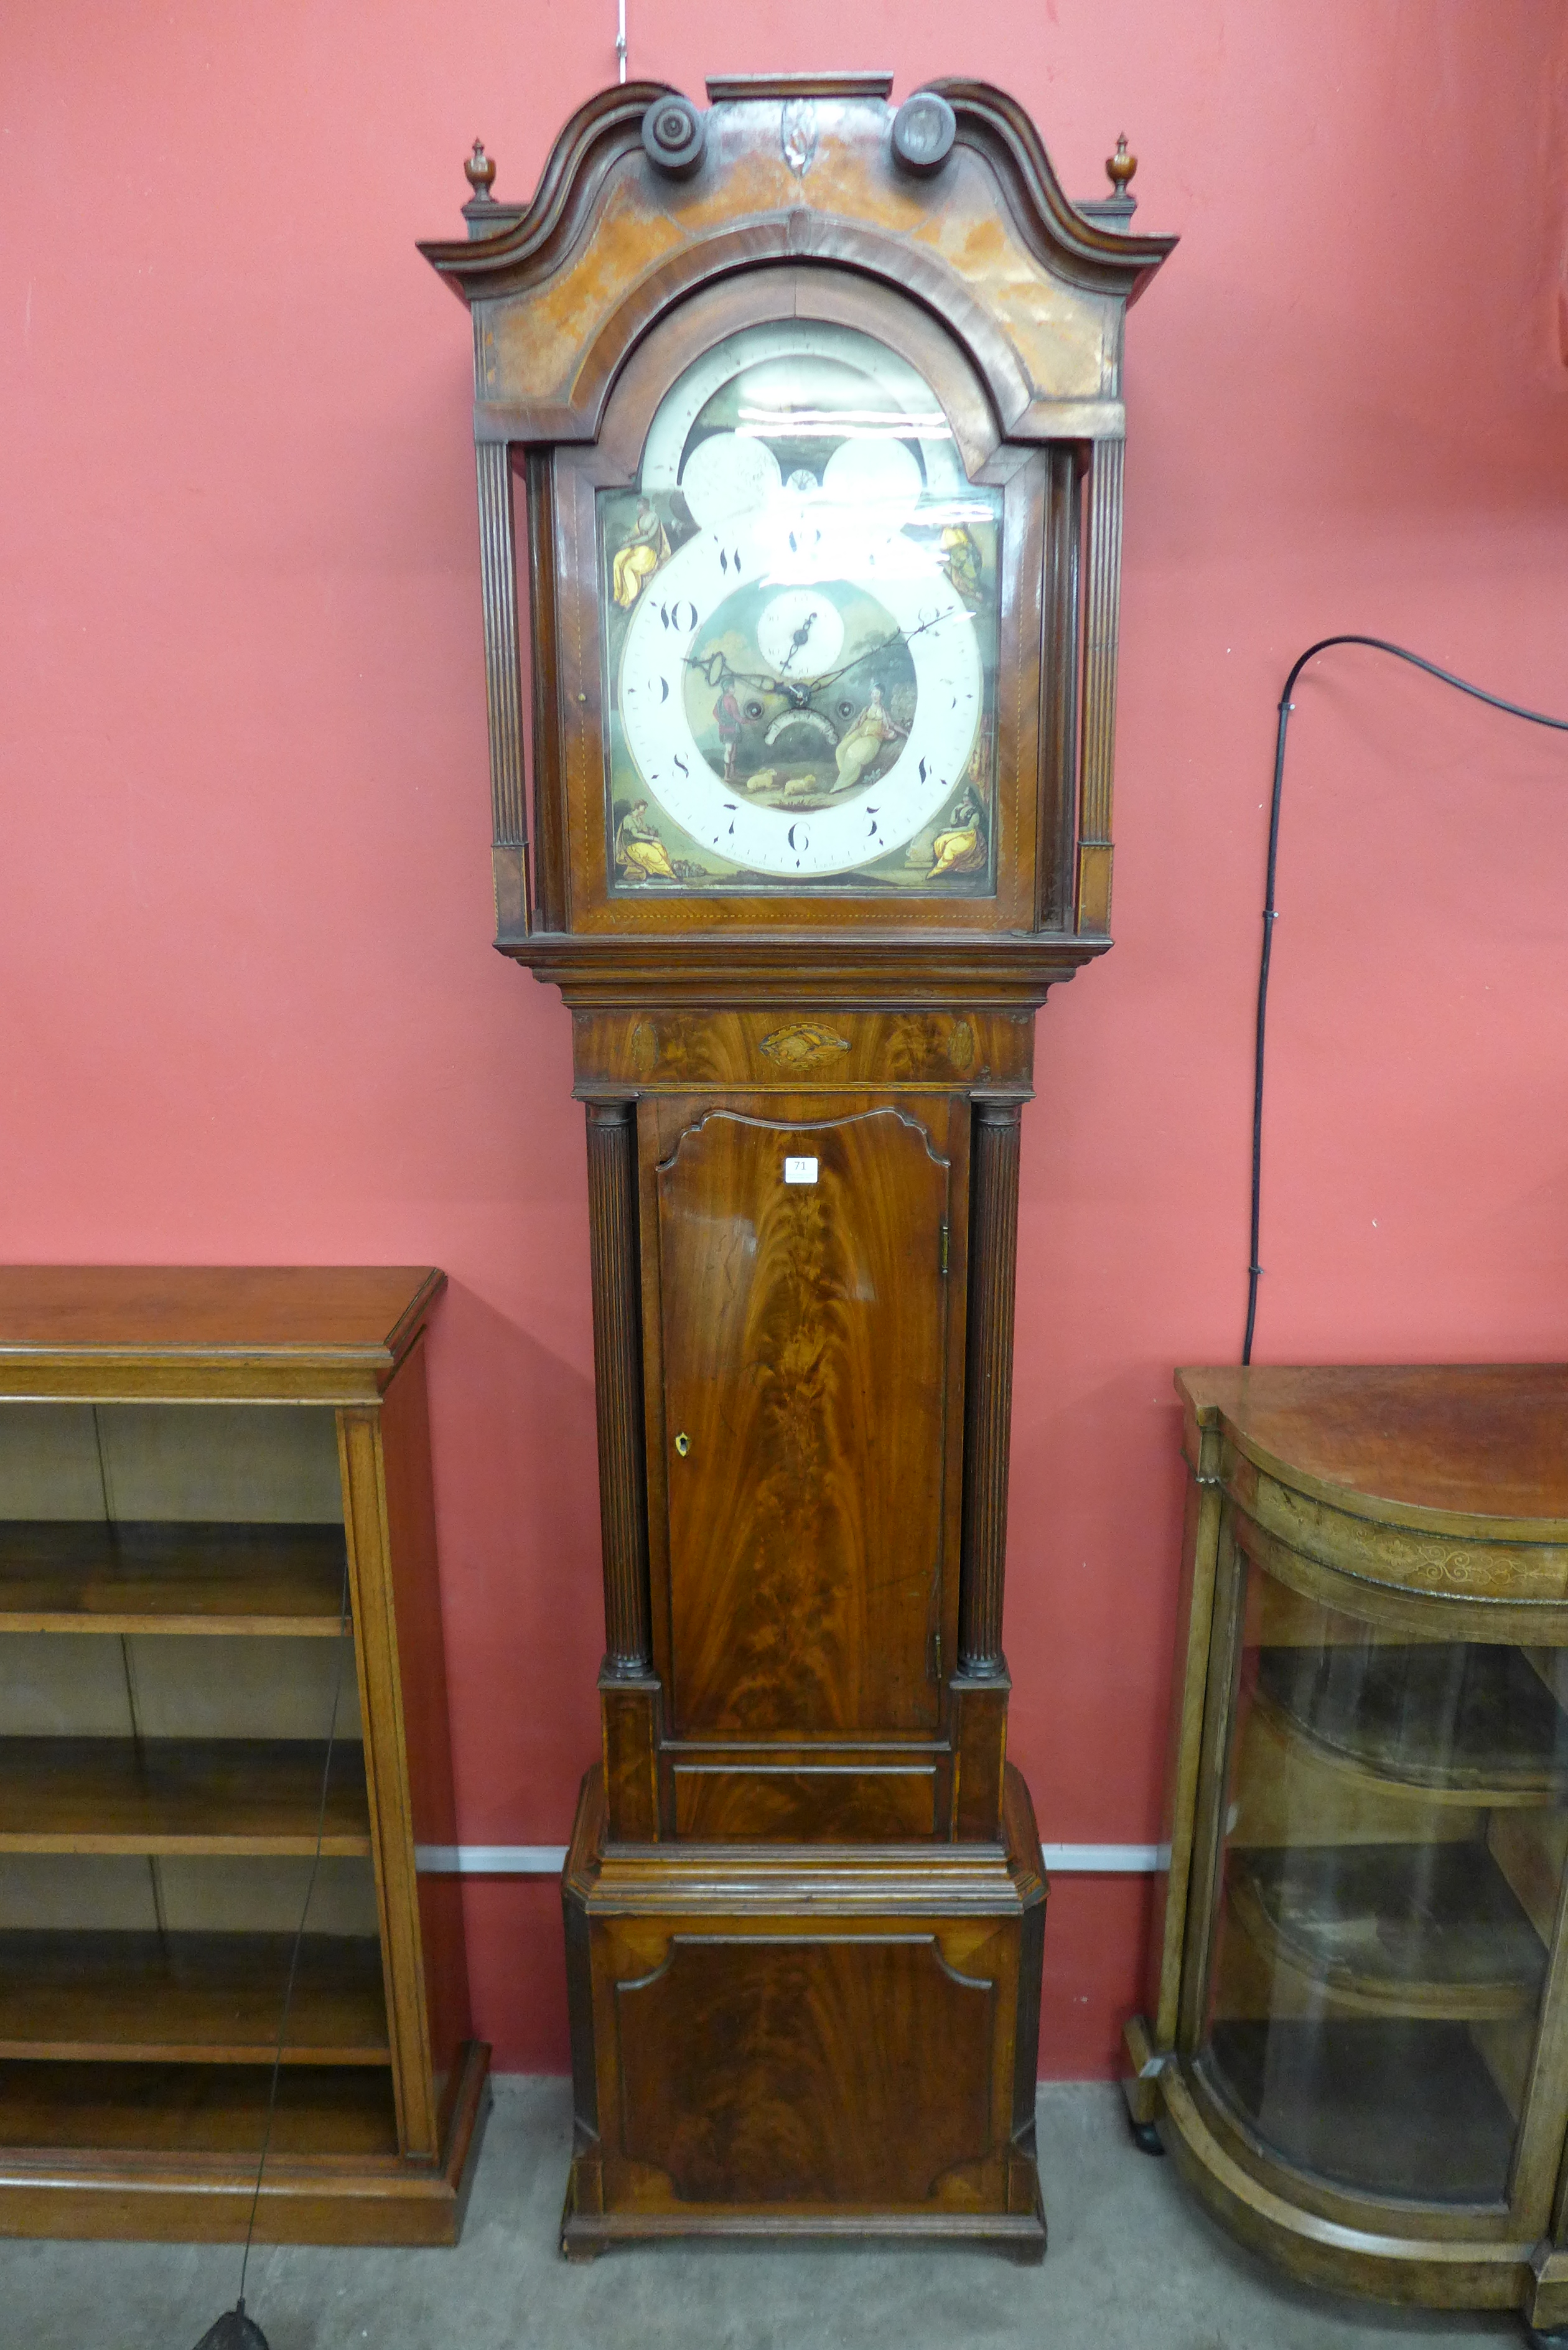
x: 805, y: 1328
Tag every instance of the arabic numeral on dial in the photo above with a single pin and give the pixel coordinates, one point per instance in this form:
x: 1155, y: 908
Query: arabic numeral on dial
x: 729, y: 560
x: 799, y: 841
x: 730, y: 811
x: 663, y: 691
x: 871, y: 831
x: 670, y: 615
x: 681, y: 763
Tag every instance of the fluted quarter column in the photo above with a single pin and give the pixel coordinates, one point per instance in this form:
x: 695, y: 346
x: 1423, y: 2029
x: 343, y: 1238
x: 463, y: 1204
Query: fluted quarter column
x: 1102, y: 605
x: 988, y: 1398
x: 504, y: 689
x: 618, y: 1380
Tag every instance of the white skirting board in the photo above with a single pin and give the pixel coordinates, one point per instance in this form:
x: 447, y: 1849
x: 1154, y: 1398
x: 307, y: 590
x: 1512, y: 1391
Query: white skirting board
x: 549, y: 1859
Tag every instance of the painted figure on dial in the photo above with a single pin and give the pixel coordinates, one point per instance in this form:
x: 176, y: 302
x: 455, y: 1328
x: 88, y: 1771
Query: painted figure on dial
x: 727, y: 719
x: 959, y: 847
x: 862, y: 744
x: 636, y: 561
x: 961, y: 561
x: 639, y: 853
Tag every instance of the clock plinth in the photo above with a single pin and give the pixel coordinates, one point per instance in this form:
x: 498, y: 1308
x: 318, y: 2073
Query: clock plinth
x: 822, y: 525
x: 819, y: 2041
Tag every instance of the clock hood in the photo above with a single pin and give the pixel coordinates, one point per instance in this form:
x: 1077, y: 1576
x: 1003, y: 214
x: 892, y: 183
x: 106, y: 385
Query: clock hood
x: 792, y: 167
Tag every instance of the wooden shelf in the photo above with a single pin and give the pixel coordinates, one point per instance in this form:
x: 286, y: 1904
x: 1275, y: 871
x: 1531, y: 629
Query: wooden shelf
x: 1453, y: 1716
x: 1398, y: 2107
x: 212, y: 1999
x: 190, y: 1797
x: 1408, y: 1930
x: 71, y: 1576
x: 344, y: 2110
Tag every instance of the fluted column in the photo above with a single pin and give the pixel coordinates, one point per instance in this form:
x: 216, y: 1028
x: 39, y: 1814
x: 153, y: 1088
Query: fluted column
x: 503, y: 688
x: 1100, y: 735
x: 618, y: 1380
x: 988, y: 1395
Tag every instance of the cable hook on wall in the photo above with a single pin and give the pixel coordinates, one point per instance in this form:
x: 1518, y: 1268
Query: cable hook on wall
x: 620, y: 35
x: 1271, y: 914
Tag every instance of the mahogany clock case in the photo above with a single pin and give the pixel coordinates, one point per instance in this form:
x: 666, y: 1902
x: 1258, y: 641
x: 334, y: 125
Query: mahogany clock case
x: 804, y: 1901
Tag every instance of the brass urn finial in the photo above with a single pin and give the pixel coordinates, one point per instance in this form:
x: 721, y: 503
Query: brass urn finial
x: 1120, y: 167
x: 479, y: 172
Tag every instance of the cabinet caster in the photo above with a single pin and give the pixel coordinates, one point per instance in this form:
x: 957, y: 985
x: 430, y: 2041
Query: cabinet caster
x: 1146, y: 2137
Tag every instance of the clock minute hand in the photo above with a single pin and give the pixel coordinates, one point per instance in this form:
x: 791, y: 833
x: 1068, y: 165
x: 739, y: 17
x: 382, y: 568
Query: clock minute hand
x: 901, y: 636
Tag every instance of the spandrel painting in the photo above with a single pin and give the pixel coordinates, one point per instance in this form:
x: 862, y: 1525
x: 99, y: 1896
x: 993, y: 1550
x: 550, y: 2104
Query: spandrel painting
x: 801, y: 618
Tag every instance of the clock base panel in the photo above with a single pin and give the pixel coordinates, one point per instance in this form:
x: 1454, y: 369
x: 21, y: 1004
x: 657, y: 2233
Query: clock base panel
x: 829, y: 2042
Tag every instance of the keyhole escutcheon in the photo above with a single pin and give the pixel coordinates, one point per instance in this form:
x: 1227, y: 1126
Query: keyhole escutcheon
x: 683, y: 1444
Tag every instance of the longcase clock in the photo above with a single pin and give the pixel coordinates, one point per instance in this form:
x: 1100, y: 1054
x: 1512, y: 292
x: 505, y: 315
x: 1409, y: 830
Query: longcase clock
x: 799, y: 434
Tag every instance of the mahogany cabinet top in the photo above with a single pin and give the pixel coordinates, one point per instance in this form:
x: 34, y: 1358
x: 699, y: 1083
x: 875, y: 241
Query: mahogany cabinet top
x: 317, y: 1333
x: 1456, y: 1448
x: 796, y: 169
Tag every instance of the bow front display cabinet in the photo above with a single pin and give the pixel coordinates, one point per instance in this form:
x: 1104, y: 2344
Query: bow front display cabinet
x: 1356, y: 2040
x: 799, y: 431
x: 222, y: 1694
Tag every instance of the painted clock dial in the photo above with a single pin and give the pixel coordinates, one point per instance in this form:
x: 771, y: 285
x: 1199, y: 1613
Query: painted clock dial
x: 800, y: 630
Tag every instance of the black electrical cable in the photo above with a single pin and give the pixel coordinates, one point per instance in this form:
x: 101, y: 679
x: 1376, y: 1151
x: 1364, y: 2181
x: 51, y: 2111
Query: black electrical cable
x: 233, y: 2330
x: 1271, y: 915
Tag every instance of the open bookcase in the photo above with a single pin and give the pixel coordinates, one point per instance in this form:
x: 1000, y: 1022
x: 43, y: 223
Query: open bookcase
x: 217, y: 1554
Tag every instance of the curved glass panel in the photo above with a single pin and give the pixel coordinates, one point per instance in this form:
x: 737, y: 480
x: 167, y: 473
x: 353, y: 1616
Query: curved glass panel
x: 1394, y: 1836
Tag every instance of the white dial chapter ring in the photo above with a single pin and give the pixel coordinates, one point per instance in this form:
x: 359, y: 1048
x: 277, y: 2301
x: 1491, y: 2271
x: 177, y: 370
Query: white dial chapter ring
x: 868, y: 822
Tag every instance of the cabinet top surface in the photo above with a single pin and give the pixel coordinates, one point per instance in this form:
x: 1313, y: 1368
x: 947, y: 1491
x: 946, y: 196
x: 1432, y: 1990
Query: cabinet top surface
x: 1461, y: 1441
x: 154, y: 1311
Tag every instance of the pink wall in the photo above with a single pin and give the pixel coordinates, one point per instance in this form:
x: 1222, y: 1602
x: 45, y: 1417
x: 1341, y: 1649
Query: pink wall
x: 252, y: 1012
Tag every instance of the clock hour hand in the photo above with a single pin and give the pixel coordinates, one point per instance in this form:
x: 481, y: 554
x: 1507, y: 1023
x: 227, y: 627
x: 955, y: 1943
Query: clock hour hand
x: 714, y: 670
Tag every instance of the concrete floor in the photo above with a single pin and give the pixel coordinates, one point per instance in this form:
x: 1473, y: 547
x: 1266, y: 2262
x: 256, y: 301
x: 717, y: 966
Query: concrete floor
x: 1132, y: 2265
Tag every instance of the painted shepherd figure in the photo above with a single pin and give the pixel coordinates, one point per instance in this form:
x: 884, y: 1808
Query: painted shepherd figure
x: 727, y: 719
